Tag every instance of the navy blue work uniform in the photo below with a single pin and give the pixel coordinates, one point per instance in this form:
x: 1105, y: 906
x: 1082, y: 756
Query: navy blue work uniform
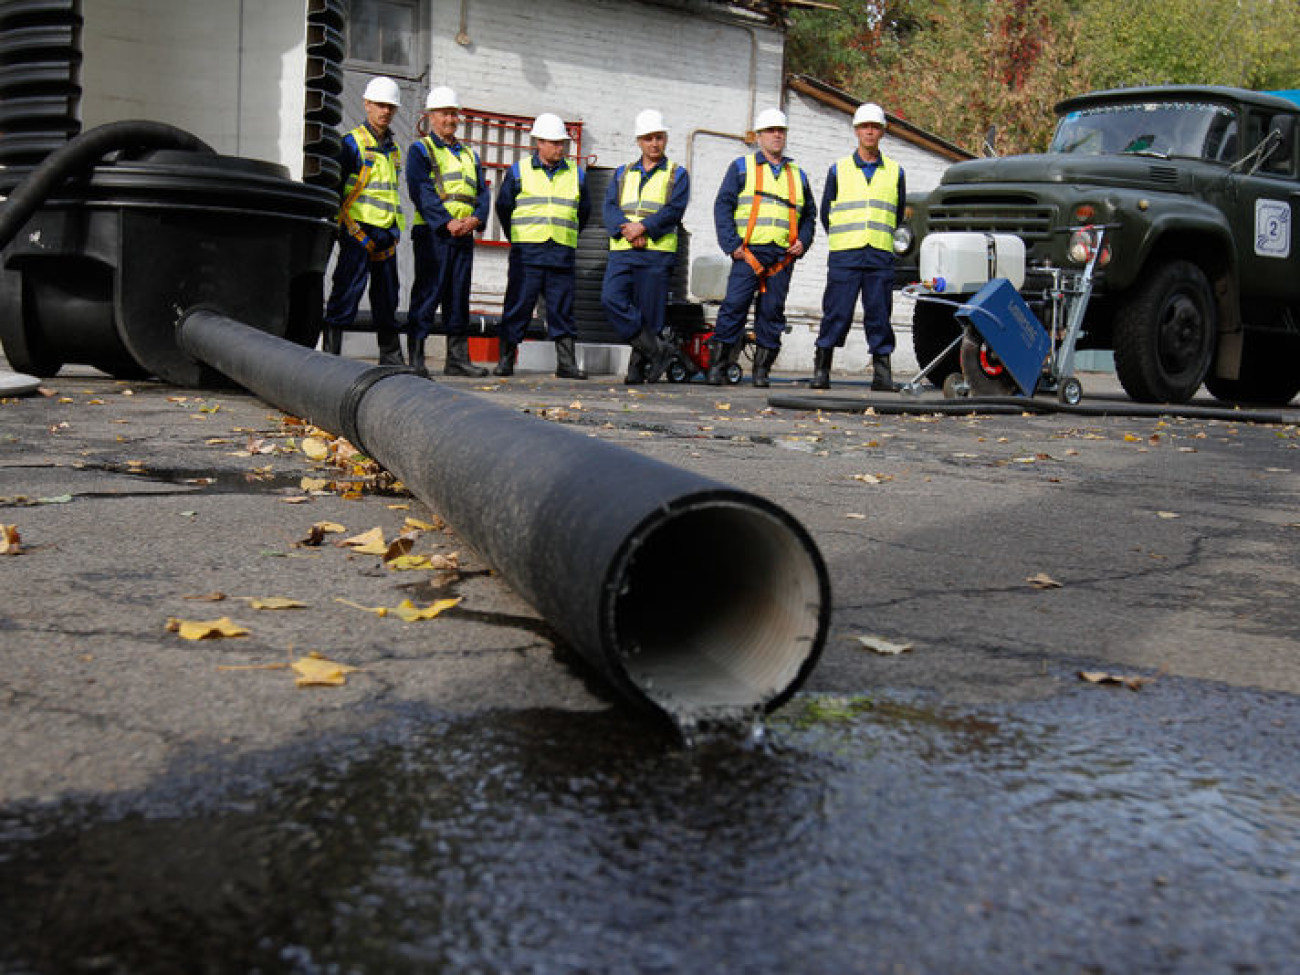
x: 863, y: 272
x: 547, y: 269
x: 635, y: 289
x: 353, y: 267
x: 742, y: 283
x: 444, y: 264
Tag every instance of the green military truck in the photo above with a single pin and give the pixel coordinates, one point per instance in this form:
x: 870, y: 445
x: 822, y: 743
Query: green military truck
x: 1199, y: 277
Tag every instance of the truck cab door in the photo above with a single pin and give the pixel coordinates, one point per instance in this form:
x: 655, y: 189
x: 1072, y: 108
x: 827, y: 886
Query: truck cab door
x: 1264, y: 212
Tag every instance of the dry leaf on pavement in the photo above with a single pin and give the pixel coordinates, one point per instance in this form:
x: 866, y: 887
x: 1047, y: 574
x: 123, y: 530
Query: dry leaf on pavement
x: 1043, y: 581
x: 1133, y: 682
x: 10, y: 540
x: 274, y: 602
x: 314, y: 670
x: 205, y: 629
x: 882, y: 646
x: 367, y: 543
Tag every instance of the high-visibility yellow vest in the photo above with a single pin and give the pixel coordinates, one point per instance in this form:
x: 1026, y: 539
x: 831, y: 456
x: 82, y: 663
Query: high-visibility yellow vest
x: 638, y: 198
x: 864, y: 214
x: 547, y: 207
x: 772, y: 225
x: 455, y: 177
x: 377, y: 203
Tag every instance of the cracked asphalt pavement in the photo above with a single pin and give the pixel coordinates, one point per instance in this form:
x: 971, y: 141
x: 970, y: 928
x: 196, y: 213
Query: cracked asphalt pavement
x: 1163, y: 548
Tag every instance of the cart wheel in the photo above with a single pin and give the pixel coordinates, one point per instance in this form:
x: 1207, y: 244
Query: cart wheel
x: 1070, y: 392
x: 955, y: 386
x: 676, y: 371
x: 734, y: 373
x: 983, y: 370
x: 331, y: 340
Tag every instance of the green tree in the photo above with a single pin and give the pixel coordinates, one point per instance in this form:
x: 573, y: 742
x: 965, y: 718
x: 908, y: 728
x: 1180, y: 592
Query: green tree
x: 1246, y: 43
x: 956, y: 67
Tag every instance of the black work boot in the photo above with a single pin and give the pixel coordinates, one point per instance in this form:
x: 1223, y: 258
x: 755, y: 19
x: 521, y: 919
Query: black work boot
x: 656, y: 352
x: 566, y: 359
x: 763, y: 359
x: 458, y: 362
x: 635, y: 369
x: 390, y: 347
x: 882, y: 379
x: 505, y: 360
x: 719, y: 359
x: 822, y: 368
x: 415, y: 355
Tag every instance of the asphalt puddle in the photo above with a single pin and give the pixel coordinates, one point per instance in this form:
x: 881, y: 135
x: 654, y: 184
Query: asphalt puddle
x: 1102, y: 831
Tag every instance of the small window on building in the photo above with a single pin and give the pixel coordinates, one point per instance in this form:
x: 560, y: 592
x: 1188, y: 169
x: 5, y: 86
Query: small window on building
x: 385, y: 35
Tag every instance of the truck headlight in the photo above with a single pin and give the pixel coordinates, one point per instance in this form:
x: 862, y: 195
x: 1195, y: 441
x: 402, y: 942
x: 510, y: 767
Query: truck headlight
x: 1083, y: 242
x: 903, y: 238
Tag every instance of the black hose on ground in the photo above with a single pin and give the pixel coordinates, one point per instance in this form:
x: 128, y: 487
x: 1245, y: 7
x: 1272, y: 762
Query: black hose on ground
x: 80, y: 155
x: 1013, y: 405
x: 690, y: 596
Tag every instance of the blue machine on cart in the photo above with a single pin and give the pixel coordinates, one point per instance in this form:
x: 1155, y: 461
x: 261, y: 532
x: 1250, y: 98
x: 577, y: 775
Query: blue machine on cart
x: 1004, y: 348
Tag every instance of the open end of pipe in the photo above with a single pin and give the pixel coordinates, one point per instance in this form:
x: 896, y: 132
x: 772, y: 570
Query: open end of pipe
x: 720, y: 605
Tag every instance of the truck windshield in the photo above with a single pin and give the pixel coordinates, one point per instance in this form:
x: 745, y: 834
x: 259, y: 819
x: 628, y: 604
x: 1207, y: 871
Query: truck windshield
x: 1196, y: 129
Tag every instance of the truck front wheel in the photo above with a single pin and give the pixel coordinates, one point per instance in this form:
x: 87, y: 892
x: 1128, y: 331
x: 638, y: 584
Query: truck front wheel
x: 933, y: 329
x: 1164, y: 334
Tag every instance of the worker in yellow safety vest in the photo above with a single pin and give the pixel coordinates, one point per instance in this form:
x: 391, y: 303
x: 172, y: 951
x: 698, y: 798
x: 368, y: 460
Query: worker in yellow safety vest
x: 543, y: 205
x: 643, y: 212
x: 370, y: 221
x: 861, y: 203
x: 765, y: 218
x: 445, y: 180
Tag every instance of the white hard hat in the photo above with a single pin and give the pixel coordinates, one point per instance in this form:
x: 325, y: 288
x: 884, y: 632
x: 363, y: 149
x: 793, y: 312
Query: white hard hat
x: 770, y: 118
x: 870, y: 112
x: 441, y: 97
x: 550, y: 127
x: 649, y: 121
x: 384, y: 91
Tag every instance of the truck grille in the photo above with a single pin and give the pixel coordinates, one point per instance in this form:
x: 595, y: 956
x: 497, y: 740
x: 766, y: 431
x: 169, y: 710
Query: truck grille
x: 1031, y: 223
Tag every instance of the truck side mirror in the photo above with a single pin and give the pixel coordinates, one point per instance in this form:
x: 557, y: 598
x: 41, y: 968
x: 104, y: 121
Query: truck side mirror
x: 1279, y: 161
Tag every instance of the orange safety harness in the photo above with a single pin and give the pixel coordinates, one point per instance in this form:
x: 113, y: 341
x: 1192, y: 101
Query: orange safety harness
x: 761, y: 271
x: 350, y: 225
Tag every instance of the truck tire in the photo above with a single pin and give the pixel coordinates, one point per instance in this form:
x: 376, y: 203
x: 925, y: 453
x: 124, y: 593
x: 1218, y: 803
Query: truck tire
x: 1270, y: 372
x: 1164, y: 334
x: 933, y: 329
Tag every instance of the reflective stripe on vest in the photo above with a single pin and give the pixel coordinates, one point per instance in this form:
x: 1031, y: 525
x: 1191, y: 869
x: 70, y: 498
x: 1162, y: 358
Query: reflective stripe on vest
x: 454, y: 176
x: 772, y: 225
x: 547, y: 207
x: 864, y: 214
x: 640, y: 201
x: 378, y: 203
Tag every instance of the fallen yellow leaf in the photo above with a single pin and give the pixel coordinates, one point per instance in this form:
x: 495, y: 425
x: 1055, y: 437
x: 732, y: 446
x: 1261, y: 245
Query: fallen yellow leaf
x: 411, y: 613
x: 399, y: 548
x: 330, y: 527
x: 1043, y: 581
x: 367, y: 543
x: 1133, y: 682
x: 205, y: 629
x: 315, y: 448
x: 377, y: 610
x: 12, y: 541
x: 403, y: 563
x: 882, y: 646
x: 424, y: 526
x: 275, y: 602
x: 314, y: 670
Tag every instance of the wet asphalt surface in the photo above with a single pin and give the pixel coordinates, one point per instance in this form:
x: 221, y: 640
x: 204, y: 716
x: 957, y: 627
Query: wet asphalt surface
x: 473, y: 799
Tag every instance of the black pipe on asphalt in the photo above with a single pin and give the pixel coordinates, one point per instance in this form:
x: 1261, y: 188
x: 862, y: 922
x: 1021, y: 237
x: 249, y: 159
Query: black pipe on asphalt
x: 79, y: 155
x: 690, y: 596
x: 1015, y: 405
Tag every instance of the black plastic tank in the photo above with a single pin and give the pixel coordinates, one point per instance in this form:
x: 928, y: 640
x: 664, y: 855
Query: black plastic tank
x: 100, y: 274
